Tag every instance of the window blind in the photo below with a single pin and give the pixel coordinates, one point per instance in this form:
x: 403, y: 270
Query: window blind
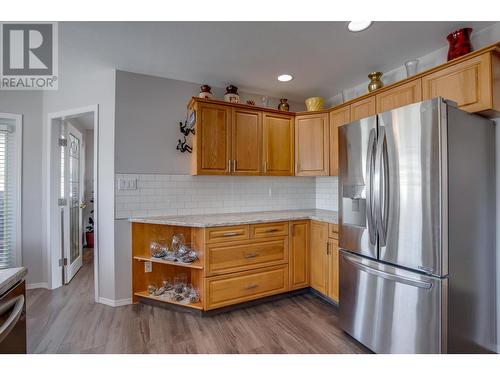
x: 8, y: 194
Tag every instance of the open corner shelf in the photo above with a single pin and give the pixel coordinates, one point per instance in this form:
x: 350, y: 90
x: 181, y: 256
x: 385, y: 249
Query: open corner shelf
x: 196, y: 265
x: 145, y: 294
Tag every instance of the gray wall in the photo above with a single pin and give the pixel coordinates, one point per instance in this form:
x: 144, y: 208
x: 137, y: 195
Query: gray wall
x: 148, y: 111
x: 29, y: 104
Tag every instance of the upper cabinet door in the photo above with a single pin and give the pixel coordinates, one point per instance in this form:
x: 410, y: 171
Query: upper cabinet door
x: 212, y: 139
x: 246, y: 142
x: 338, y: 118
x: 312, y: 154
x: 408, y: 93
x: 468, y: 83
x: 363, y: 108
x: 278, y: 146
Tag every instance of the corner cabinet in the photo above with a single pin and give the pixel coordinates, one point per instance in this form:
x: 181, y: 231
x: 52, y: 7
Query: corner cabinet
x: 312, y: 149
x: 278, y: 145
x: 212, y: 141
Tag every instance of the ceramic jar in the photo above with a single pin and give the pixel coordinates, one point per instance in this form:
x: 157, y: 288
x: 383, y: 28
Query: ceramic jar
x: 205, y: 92
x: 315, y: 103
x: 284, y: 106
x: 231, y: 95
x: 459, y: 42
x: 375, y: 81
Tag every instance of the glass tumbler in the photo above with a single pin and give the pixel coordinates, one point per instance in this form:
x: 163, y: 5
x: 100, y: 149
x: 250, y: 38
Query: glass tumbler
x: 411, y: 67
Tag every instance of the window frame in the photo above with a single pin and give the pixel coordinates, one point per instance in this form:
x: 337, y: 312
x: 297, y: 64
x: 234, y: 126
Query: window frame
x: 18, y: 173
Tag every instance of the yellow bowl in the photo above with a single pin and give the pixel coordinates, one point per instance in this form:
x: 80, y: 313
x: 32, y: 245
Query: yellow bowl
x: 315, y: 103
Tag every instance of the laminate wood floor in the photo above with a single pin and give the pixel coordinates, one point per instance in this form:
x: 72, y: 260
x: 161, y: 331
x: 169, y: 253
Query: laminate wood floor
x: 67, y: 320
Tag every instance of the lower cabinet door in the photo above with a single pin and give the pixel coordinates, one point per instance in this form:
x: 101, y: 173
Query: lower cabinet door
x: 245, y: 286
x: 299, y: 254
x: 333, y: 270
x: 319, y: 257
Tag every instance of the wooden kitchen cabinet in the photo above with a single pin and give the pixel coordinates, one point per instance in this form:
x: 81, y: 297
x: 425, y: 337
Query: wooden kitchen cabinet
x: 333, y: 269
x: 318, y: 257
x: 212, y: 141
x: 246, y: 142
x: 363, y: 108
x: 468, y: 83
x: 299, y: 254
x: 407, y: 93
x: 278, y: 144
x: 312, y: 149
x: 338, y: 118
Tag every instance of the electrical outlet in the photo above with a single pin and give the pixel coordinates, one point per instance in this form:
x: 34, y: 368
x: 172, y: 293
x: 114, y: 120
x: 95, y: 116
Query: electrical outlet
x: 127, y: 184
x: 148, y: 267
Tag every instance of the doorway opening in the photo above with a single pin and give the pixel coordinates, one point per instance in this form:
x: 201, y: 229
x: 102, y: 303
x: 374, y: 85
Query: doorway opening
x: 72, y: 145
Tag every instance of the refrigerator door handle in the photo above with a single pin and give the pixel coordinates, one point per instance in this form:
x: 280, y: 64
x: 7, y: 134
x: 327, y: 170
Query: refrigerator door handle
x: 388, y: 276
x: 381, y: 184
x: 370, y: 167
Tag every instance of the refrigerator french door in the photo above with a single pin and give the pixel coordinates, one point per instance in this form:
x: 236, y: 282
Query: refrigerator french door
x: 397, y: 288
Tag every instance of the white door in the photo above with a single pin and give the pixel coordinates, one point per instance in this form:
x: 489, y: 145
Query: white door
x: 74, y: 188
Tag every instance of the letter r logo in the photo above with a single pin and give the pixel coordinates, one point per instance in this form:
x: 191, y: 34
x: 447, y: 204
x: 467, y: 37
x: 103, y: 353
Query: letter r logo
x: 27, y: 49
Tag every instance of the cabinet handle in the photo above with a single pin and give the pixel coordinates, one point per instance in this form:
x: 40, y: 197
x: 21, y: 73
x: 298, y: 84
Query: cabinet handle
x: 250, y: 255
x: 265, y: 167
x: 229, y: 165
x: 251, y: 286
x: 328, y: 249
x: 234, y: 165
x: 230, y: 234
x: 272, y: 230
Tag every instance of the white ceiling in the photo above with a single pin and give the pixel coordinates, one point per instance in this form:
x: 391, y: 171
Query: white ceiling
x: 323, y: 56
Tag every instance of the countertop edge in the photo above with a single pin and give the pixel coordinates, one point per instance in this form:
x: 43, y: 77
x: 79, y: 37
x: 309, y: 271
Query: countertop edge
x: 194, y: 224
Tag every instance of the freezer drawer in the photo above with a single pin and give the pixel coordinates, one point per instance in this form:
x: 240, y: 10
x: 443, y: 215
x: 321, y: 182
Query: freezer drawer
x: 391, y: 310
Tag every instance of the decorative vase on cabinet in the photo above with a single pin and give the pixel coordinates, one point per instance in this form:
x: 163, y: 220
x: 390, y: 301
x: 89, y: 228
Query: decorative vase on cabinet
x: 284, y: 106
x: 375, y: 81
x: 460, y: 44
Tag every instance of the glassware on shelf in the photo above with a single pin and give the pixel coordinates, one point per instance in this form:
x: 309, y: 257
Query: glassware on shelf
x: 157, y: 249
x: 411, y: 67
x: 152, y: 288
x: 168, y: 284
x: 178, y: 240
x: 186, y: 255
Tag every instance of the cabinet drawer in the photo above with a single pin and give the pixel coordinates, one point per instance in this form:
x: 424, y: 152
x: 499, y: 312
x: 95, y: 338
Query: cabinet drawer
x: 245, y: 286
x: 269, y: 229
x: 242, y: 256
x: 333, y: 231
x: 224, y: 234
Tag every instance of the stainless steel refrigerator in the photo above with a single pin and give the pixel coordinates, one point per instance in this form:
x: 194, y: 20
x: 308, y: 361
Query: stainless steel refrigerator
x: 417, y: 230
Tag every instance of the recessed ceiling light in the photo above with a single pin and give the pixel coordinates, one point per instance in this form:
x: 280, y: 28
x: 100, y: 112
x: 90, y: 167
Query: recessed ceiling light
x: 285, y: 77
x: 357, y: 26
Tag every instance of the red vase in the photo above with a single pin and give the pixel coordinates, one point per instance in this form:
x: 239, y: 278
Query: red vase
x: 460, y: 44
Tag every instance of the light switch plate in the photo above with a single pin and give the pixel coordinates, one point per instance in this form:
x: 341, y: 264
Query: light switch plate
x: 148, y: 267
x: 127, y: 183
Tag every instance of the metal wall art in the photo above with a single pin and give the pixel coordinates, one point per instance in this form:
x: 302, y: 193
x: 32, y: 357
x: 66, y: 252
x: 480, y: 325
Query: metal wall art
x: 186, y: 128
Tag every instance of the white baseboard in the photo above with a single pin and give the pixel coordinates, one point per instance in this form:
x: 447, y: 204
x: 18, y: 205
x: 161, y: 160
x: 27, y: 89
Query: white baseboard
x: 37, y: 286
x: 115, y: 303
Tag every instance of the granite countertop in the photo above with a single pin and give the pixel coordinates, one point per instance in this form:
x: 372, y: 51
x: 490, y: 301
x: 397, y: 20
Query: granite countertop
x: 219, y: 220
x: 10, y: 277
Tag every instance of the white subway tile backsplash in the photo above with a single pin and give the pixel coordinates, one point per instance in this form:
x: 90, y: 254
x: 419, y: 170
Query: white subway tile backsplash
x: 159, y: 195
